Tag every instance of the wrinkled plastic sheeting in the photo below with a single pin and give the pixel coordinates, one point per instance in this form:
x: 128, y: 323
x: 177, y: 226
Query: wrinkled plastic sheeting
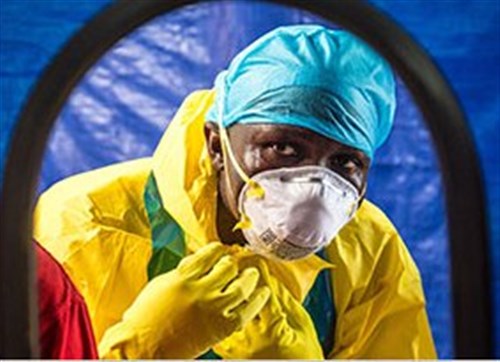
x: 121, y: 108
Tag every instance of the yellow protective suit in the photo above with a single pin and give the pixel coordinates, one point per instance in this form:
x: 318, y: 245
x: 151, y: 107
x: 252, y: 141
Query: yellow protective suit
x: 96, y: 225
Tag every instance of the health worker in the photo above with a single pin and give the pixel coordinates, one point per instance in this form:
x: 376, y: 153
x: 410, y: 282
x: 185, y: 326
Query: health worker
x: 247, y: 234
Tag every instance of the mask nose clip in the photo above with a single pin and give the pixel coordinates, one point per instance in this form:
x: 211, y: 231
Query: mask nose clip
x: 301, y: 179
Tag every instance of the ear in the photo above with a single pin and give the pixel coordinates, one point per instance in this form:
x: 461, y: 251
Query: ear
x: 214, y: 145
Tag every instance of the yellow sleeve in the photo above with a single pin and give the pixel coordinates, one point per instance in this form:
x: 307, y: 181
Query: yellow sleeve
x: 379, y: 299
x: 94, y: 225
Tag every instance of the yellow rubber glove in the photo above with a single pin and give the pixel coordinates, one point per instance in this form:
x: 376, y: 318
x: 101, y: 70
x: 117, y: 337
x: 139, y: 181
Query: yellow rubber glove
x: 282, y: 330
x: 183, y: 313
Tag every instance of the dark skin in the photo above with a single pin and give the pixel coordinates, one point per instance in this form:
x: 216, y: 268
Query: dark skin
x: 260, y: 147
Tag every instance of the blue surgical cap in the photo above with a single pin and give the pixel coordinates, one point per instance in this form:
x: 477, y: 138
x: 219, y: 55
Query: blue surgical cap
x: 324, y: 80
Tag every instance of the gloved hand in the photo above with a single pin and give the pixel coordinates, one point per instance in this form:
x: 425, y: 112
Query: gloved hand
x: 282, y: 330
x: 183, y: 313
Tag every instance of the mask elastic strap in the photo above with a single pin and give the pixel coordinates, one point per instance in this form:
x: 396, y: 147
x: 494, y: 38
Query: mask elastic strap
x: 254, y: 189
x: 356, y: 203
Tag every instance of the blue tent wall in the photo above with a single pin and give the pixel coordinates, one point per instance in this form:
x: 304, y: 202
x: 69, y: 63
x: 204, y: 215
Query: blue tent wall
x: 123, y: 104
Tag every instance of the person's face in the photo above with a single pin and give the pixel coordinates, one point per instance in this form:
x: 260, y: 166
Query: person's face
x: 261, y: 147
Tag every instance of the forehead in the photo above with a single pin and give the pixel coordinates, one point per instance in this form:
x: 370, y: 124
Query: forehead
x: 253, y: 131
x: 249, y: 134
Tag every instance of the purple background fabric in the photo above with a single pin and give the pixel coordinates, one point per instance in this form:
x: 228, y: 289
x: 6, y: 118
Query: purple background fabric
x: 122, y: 106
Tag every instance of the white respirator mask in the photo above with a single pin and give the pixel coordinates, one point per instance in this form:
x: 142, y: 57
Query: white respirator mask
x: 299, y: 212
x: 290, y: 213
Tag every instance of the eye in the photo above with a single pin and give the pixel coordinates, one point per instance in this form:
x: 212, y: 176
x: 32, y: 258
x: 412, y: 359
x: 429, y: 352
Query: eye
x: 348, y: 163
x: 284, y: 149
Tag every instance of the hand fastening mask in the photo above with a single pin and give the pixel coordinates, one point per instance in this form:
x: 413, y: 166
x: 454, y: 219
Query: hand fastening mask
x: 290, y: 213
